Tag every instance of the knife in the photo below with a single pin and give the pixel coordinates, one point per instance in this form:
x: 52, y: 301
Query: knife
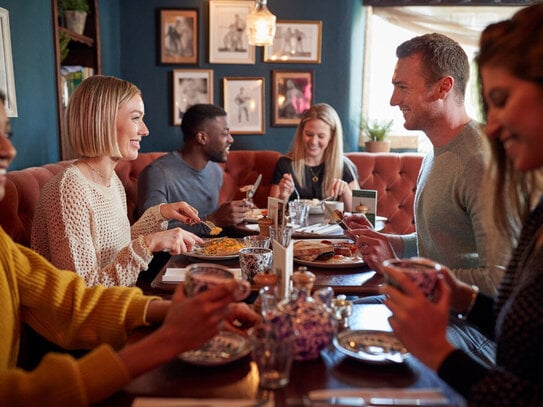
x: 336, y: 217
x: 251, y: 192
x: 378, y: 401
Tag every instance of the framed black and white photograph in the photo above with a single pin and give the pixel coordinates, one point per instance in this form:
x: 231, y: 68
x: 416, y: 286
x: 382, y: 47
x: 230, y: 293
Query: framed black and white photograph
x: 178, y: 36
x: 228, y: 41
x: 244, y: 103
x: 7, y: 78
x: 292, y: 94
x: 190, y: 87
x: 295, y: 41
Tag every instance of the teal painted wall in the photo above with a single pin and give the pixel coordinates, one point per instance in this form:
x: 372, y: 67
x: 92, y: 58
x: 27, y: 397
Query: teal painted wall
x: 35, y: 129
x: 129, y: 41
x: 31, y: 25
x: 337, y: 79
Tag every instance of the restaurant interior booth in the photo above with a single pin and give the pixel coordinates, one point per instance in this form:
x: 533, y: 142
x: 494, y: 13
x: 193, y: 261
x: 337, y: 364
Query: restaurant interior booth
x: 133, y: 40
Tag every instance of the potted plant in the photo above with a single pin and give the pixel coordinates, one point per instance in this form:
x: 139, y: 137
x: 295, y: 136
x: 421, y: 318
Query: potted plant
x: 75, y: 14
x: 376, y: 132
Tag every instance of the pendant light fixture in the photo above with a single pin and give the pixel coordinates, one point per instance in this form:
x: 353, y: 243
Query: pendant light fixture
x: 260, y: 24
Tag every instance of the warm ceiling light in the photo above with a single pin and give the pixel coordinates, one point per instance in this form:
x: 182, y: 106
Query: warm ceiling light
x: 260, y: 24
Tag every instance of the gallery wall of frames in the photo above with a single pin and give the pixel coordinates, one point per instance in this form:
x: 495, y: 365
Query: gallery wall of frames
x: 243, y: 97
x: 169, y: 49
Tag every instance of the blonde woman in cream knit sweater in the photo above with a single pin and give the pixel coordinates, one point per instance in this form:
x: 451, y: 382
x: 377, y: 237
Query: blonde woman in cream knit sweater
x: 81, y: 220
x: 59, y: 306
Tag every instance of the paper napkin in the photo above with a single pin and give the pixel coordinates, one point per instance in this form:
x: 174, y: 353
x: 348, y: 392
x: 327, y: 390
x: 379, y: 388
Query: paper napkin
x: 177, y: 275
x: 183, y: 402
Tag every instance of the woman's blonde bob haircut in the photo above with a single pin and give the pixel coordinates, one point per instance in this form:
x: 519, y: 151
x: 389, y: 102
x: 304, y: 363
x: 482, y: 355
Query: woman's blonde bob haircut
x: 91, y: 115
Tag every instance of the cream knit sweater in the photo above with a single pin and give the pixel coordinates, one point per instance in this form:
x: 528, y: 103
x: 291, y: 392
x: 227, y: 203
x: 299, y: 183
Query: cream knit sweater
x: 83, y: 226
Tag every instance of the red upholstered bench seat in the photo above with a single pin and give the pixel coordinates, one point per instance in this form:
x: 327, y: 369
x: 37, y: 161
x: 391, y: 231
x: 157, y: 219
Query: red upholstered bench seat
x: 393, y: 175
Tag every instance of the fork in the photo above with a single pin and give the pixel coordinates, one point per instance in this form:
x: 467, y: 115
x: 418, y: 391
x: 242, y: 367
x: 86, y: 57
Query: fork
x: 213, y: 229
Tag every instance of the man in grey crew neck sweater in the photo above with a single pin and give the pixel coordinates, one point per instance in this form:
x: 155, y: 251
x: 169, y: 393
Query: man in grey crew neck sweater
x: 429, y: 87
x: 192, y: 174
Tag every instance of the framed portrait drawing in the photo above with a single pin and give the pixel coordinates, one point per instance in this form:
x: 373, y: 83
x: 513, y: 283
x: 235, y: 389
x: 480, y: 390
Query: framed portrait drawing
x: 295, y: 41
x: 178, y: 36
x: 7, y: 78
x: 190, y: 86
x: 244, y: 103
x: 228, y: 42
x: 292, y: 93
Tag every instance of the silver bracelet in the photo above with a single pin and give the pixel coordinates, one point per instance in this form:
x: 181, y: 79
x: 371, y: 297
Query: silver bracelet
x: 474, y: 293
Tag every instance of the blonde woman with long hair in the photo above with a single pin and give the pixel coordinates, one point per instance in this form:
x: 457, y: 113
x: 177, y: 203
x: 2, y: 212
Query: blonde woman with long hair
x: 315, y: 167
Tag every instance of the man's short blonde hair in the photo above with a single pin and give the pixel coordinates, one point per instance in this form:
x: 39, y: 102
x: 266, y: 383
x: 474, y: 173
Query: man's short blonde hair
x: 91, y: 115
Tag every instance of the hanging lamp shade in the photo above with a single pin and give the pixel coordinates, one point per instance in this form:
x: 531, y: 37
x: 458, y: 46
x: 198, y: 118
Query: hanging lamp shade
x: 260, y: 24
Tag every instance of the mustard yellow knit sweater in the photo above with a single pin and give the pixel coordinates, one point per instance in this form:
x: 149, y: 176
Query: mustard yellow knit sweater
x: 59, y: 306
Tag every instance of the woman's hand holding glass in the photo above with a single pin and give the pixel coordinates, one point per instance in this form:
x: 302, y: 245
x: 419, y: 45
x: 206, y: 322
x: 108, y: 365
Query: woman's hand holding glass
x: 421, y: 325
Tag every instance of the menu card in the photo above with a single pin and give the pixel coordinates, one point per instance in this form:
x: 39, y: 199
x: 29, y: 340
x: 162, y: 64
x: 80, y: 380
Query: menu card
x: 276, y: 211
x: 282, y: 267
x: 365, y: 201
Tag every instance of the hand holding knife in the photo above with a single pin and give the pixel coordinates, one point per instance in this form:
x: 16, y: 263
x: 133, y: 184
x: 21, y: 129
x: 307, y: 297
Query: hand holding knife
x: 251, y: 192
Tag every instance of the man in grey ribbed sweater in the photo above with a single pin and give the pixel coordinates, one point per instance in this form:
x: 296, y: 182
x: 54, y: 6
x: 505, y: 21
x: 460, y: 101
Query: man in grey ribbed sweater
x: 429, y: 86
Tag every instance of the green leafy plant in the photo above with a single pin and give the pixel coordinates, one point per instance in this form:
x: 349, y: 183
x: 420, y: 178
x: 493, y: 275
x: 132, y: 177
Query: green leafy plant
x: 64, y: 41
x: 376, y: 130
x: 75, y: 5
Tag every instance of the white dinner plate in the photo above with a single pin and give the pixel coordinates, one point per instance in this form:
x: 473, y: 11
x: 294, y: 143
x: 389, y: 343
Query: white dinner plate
x: 201, y: 256
x: 377, y: 347
x: 225, y: 347
x: 334, y: 262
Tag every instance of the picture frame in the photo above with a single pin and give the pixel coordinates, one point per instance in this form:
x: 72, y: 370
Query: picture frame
x: 295, y: 41
x: 190, y: 86
x: 7, y: 77
x: 292, y: 94
x: 178, y: 36
x: 243, y: 100
x: 228, y: 41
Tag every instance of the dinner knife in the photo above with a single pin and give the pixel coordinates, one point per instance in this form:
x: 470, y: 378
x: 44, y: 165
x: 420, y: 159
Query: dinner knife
x: 335, y: 216
x: 378, y: 401
x: 252, y: 191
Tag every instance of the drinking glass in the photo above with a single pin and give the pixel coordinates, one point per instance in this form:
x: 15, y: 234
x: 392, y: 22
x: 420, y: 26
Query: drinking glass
x: 254, y: 260
x: 298, y: 211
x: 282, y: 234
x: 256, y: 241
x: 273, y: 356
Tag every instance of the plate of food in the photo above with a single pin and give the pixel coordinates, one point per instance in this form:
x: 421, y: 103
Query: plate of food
x: 330, y: 253
x: 220, y: 248
x: 254, y: 215
x: 377, y: 347
x: 225, y: 347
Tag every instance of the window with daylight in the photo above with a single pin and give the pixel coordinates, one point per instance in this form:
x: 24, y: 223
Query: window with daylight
x: 388, y: 27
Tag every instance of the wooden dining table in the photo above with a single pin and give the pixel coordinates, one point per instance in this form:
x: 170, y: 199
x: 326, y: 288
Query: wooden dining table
x: 331, y: 370
x: 239, y: 379
x: 352, y: 280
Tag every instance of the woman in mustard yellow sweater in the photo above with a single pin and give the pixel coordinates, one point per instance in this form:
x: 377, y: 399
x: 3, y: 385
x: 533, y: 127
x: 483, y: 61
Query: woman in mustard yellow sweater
x: 59, y: 306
